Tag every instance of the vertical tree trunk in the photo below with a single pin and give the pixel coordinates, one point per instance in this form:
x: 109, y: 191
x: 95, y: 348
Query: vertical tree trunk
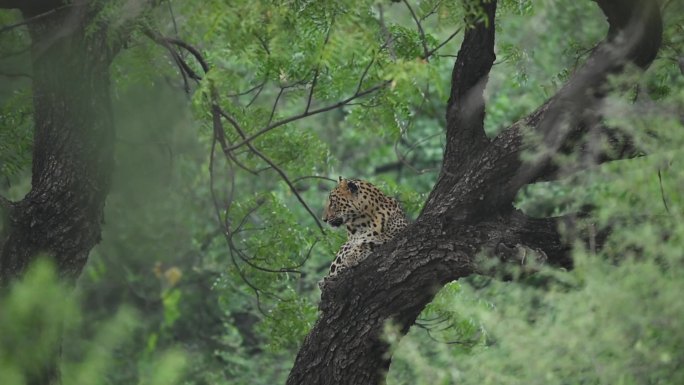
x: 73, y: 143
x: 62, y: 214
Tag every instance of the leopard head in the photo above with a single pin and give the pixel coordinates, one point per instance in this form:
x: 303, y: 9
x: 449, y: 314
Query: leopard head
x: 342, y: 204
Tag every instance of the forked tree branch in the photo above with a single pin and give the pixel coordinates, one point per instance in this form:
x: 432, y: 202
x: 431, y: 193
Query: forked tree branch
x: 634, y: 37
x: 489, y: 179
x: 469, y: 210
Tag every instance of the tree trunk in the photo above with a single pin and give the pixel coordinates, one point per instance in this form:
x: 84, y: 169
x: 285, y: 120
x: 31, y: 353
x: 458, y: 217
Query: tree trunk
x: 73, y: 146
x: 470, y: 209
x: 73, y: 142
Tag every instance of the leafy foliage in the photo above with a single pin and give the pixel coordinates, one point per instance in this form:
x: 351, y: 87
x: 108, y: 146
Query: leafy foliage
x: 29, y: 336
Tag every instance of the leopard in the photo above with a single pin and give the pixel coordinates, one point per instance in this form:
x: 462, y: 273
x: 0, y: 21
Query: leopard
x: 370, y: 217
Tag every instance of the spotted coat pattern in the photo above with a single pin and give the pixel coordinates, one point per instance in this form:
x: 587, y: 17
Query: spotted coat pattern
x: 371, y: 218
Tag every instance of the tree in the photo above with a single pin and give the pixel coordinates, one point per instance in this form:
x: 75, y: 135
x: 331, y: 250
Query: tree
x: 470, y: 207
x: 73, y: 139
x: 73, y: 145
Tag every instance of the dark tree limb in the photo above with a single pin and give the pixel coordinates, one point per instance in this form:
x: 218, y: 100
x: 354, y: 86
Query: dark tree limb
x: 466, y: 107
x: 634, y: 37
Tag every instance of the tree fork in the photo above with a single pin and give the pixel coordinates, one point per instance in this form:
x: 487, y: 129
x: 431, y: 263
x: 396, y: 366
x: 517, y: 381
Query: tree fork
x: 469, y: 210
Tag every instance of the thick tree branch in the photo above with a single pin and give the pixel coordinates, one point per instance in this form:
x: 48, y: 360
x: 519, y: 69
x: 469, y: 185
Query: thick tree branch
x: 634, y: 36
x: 466, y: 108
x: 346, y: 346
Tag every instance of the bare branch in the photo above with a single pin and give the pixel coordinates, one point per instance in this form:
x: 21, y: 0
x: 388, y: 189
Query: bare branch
x: 432, y: 11
x: 194, y: 51
x: 295, y: 180
x: 315, y: 78
x: 255, y: 96
x: 363, y: 75
x: 311, y: 91
x: 634, y: 36
x: 310, y: 113
x: 662, y: 191
x: 256, y: 87
x: 275, y: 105
x: 442, y: 44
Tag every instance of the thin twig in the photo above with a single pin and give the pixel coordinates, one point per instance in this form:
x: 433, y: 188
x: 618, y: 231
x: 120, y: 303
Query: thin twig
x: 220, y: 135
x: 310, y: 113
x: 315, y: 78
x: 244, y: 218
x: 255, y: 96
x: 420, y: 30
x: 173, y: 17
x: 662, y: 192
x: 442, y: 44
x: 311, y: 91
x: 249, y: 90
x: 275, y: 105
x: 432, y: 11
x: 363, y: 75
x: 263, y: 44
x: 314, y: 177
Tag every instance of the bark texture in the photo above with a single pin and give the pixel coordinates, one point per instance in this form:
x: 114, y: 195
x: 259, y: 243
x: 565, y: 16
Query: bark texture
x: 470, y: 208
x: 73, y: 147
x: 73, y: 143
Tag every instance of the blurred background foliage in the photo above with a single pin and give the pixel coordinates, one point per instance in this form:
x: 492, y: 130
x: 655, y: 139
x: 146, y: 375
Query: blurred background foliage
x: 171, y: 296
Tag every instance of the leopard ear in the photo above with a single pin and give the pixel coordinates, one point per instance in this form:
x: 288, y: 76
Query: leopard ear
x: 352, y: 187
x: 340, y: 179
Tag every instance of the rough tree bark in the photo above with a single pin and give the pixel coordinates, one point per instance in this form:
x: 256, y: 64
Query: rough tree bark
x: 470, y: 208
x: 73, y: 140
x: 73, y: 143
